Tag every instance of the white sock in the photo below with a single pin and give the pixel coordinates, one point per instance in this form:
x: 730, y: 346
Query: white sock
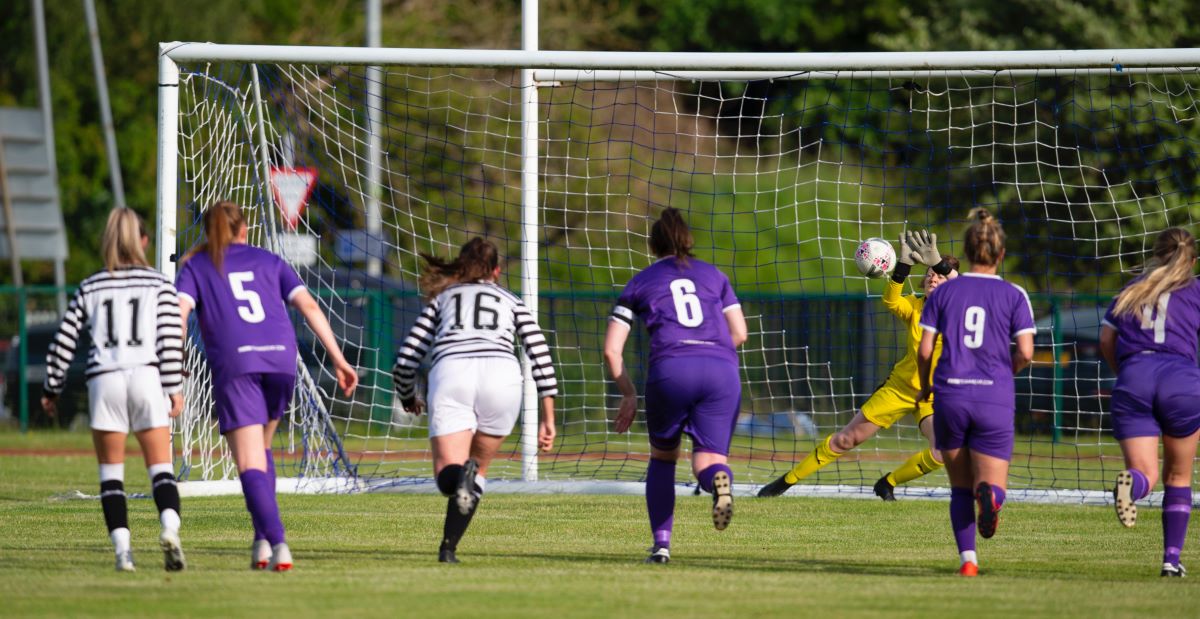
x: 153, y: 470
x: 169, y: 519
x: 112, y: 472
x: 968, y: 556
x: 120, y: 540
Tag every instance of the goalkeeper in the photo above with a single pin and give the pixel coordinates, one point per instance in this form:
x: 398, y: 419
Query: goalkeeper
x: 897, y: 396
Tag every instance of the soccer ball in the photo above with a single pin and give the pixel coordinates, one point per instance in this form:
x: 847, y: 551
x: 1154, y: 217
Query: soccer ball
x: 875, y: 258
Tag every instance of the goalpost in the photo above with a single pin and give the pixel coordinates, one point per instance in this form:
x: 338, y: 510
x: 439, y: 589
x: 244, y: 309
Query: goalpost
x: 782, y: 164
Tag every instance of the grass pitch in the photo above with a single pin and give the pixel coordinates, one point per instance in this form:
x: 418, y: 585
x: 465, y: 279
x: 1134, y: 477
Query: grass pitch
x: 564, y: 556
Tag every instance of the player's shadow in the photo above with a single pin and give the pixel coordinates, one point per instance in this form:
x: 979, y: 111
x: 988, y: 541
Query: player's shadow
x: 715, y: 562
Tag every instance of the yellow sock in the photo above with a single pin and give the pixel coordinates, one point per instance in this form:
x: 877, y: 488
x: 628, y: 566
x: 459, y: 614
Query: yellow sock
x: 815, y: 459
x: 919, y: 464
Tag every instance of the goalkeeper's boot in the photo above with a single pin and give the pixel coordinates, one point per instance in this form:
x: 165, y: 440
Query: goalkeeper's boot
x: 969, y: 569
x: 281, y: 558
x: 173, y: 560
x: 260, y: 554
x: 446, y: 555
x: 775, y: 488
x: 659, y: 554
x: 1173, y: 570
x: 722, y: 511
x: 884, y: 489
x: 1123, y: 499
x: 464, y: 494
x: 989, y: 512
x: 125, y: 562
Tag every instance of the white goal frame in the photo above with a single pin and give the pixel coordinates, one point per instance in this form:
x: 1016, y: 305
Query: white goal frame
x: 549, y: 67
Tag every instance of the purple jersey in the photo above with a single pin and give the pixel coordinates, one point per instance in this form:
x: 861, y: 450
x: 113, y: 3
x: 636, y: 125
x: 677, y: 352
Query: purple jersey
x: 241, y: 309
x: 978, y: 316
x: 1170, y: 325
x: 683, y: 306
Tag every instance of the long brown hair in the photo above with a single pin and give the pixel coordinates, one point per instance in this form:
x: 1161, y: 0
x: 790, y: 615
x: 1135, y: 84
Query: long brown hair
x: 476, y: 260
x: 121, y: 243
x: 985, y: 238
x: 222, y: 223
x: 670, y: 235
x: 1169, y: 269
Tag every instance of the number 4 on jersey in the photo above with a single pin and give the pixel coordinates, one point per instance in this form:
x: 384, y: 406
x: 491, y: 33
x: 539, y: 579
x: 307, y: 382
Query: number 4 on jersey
x: 1156, y: 317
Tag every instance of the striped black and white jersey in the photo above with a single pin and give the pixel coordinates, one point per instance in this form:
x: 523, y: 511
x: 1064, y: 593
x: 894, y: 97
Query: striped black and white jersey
x: 473, y: 320
x: 133, y: 317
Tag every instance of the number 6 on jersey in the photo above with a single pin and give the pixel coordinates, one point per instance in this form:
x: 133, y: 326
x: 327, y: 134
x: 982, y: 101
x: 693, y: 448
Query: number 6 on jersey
x: 687, y: 305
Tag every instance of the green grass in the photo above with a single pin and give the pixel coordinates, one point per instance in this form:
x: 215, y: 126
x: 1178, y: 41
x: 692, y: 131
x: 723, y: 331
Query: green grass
x: 564, y: 556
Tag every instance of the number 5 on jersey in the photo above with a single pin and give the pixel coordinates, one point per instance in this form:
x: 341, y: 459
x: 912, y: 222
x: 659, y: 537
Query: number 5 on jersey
x: 254, y: 313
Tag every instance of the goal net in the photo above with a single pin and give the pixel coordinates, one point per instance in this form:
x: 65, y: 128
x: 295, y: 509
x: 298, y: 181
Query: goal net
x: 780, y: 174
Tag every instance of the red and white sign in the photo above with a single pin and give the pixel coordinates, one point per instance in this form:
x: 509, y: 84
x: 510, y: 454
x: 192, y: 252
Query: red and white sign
x: 292, y: 188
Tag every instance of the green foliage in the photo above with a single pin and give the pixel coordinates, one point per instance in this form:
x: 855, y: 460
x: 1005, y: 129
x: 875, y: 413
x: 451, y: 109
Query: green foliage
x: 767, y: 25
x: 130, y: 33
x: 1040, y: 24
x: 862, y: 120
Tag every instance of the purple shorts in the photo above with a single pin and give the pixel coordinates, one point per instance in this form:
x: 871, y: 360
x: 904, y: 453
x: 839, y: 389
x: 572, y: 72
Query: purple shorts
x: 982, y: 426
x: 698, y: 395
x: 252, y: 399
x: 1156, y: 394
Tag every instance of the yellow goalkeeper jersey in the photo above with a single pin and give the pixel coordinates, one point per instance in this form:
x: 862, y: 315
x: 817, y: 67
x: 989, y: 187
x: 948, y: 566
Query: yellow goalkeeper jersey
x: 908, y: 308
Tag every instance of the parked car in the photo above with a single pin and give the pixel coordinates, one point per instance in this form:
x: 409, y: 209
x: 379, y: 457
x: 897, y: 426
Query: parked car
x: 73, y: 400
x: 1086, y: 380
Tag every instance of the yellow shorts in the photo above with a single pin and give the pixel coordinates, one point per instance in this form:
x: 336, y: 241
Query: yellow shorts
x: 888, y: 404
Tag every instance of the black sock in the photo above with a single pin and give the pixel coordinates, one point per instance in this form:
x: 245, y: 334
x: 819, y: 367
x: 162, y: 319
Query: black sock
x: 456, y: 523
x: 447, y: 479
x: 112, y: 500
x: 166, y: 493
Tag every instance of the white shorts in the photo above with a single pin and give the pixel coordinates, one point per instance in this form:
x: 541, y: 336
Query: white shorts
x: 128, y: 400
x: 482, y: 394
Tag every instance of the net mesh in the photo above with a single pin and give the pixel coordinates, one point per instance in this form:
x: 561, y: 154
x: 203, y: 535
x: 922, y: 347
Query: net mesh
x: 779, y: 179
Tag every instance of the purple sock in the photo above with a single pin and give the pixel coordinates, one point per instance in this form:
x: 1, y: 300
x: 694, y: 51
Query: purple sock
x: 705, y: 477
x: 962, y: 517
x: 1141, y: 485
x: 1177, y: 508
x: 260, y: 502
x: 258, y: 534
x: 660, y: 500
x: 998, y: 495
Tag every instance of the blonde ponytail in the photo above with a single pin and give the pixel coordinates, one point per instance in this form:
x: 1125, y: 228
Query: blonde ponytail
x: 1169, y: 269
x: 121, y: 243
